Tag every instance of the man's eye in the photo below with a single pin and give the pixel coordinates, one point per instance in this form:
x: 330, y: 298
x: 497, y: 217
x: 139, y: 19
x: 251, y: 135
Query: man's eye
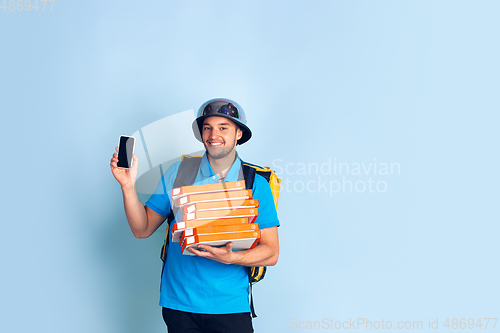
x: 206, y: 128
x: 223, y: 128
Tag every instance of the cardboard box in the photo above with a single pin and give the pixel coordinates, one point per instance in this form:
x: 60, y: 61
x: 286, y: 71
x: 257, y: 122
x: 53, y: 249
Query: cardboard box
x: 241, y: 240
x: 179, y: 227
x: 251, y: 213
x: 213, y: 197
x: 226, y: 204
x: 221, y: 229
x: 180, y: 192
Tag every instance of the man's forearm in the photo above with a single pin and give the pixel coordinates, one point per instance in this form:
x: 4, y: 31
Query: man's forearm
x: 135, y: 212
x: 261, y: 255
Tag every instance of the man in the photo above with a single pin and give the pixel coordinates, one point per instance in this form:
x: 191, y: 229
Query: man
x: 207, y: 292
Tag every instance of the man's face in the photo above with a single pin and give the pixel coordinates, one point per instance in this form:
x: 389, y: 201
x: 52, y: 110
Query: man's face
x: 220, y: 136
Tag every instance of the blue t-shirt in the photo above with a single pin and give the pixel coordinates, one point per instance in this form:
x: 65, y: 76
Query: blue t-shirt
x: 201, y: 285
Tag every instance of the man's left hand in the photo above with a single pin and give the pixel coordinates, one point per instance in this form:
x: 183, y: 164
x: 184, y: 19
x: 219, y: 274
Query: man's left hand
x: 223, y: 254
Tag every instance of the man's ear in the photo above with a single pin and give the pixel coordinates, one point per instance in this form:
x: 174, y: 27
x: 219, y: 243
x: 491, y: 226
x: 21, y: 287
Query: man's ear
x: 239, y: 134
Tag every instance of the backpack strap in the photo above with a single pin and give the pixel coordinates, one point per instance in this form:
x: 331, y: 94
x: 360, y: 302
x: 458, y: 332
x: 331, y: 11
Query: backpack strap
x: 187, y: 171
x: 249, y: 176
x: 186, y: 175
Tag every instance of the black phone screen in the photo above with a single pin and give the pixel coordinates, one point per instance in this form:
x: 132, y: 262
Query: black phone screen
x: 125, y: 151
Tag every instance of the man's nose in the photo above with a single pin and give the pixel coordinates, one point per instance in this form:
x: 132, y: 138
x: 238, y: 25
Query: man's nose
x: 214, y: 133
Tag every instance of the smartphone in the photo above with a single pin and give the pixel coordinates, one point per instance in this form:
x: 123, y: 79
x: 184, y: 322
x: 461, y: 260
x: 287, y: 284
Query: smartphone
x: 125, y: 151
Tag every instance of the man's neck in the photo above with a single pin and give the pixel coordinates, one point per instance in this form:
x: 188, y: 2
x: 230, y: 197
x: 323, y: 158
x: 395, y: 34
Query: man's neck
x: 221, y: 166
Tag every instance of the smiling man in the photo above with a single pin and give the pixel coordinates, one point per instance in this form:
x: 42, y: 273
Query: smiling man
x: 207, y: 292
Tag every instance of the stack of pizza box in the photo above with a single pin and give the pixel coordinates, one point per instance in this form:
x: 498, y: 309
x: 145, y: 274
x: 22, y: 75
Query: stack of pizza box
x: 215, y: 214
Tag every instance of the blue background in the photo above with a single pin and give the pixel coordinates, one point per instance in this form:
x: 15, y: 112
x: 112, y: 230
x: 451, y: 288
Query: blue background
x: 408, y: 82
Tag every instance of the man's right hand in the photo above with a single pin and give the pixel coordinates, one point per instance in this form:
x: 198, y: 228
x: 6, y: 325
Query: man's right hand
x: 126, y: 177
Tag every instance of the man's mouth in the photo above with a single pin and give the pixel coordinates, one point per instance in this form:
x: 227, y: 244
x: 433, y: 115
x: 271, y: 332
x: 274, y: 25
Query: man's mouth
x: 214, y: 144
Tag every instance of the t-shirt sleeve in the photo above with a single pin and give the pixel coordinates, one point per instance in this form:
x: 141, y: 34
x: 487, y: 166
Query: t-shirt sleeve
x: 268, y: 217
x: 160, y: 201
